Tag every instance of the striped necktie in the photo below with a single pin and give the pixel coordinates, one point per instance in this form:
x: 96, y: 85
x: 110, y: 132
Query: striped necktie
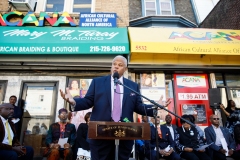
x: 9, y: 133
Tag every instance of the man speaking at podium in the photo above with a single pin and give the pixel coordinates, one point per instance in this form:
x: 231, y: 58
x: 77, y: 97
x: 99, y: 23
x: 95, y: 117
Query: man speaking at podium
x: 109, y: 105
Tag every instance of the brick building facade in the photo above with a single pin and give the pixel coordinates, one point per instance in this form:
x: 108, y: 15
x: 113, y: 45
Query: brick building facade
x: 184, y: 8
x: 121, y: 8
x: 225, y: 15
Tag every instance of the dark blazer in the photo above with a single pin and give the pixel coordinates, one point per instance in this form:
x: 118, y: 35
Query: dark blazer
x: 81, y: 140
x: 99, y: 97
x: 174, y: 128
x: 15, y: 141
x: 54, y: 133
x: 162, y: 142
x: 211, y: 138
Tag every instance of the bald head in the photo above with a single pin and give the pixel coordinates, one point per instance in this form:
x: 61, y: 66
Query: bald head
x: 215, y: 120
x: 6, y: 110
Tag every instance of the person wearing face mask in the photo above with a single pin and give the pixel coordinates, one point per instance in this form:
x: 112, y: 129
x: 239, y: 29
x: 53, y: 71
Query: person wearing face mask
x: 188, y: 141
x: 61, y: 129
x: 111, y: 106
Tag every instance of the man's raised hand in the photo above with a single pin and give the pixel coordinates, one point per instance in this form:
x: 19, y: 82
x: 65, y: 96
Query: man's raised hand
x: 67, y: 97
x: 165, y: 104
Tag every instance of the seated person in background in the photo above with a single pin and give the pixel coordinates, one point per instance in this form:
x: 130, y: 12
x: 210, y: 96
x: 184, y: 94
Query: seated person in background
x: 36, y: 129
x: 170, y: 126
x: 58, y: 130
x: 10, y: 148
x: 188, y: 140
x: 200, y: 131
x: 165, y: 143
x: 213, y: 135
x: 82, y: 131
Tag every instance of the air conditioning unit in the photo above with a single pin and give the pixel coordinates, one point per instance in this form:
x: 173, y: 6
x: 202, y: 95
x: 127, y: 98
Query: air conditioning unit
x: 23, y: 5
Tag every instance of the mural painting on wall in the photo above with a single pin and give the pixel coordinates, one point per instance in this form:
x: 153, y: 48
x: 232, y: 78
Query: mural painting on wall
x: 78, y: 89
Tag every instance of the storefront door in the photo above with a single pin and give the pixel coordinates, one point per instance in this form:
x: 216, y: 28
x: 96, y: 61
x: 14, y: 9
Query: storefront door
x: 38, y: 101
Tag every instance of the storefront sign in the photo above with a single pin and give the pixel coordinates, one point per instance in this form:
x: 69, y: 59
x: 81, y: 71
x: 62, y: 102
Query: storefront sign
x: 98, y: 20
x: 192, y: 96
x: 48, y: 40
x: 30, y: 19
x: 184, y: 41
x: 191, y: 81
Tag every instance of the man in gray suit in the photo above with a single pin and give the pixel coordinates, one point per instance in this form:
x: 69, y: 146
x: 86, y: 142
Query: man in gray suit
x: 169, y: 125
x: 213, y: 134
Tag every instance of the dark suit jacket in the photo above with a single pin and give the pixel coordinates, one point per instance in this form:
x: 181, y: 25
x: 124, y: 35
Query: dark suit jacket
x: 15, y: 141
x: 54, y: 133
x: 174, y: 128
x: 99, y: 96
x: 81, y: 140
x: 162, y: 142
x: 211, y: 138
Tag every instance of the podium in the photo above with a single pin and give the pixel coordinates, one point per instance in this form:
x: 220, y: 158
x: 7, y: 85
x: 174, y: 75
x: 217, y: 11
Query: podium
x: 118, y: 131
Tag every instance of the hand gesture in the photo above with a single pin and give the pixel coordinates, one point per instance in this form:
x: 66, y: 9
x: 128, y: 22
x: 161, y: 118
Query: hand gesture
x: 188, y: 149
x: 168, y: 101
x: 56, y: 146
x: 223, y: 151
x: 19, y: 150
x: 67, y: 97
x: 222, y: 106
x: 230, y: 152
x: 66, y: 145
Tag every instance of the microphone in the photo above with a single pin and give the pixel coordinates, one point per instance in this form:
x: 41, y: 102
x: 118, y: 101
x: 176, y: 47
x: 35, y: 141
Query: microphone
x: 115, y: 77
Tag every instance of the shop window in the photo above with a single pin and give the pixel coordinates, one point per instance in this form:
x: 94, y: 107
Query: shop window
x: 219, y: 79
x: 82, y: 6
x: 153, y: 85
x: 39, y: 103
x: 3, y: 85
x: 232, y: 80
x: 150, y: 7
x: 70, y: 6
x: 165, y: 7
x: 54, y: 6
x: 157, y: 7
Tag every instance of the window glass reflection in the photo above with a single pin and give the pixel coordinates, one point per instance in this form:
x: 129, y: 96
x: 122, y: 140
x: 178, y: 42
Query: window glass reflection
x: 54, y: 6
x: 82, y: 6
x: 233, y: 80
x: 219, y: 79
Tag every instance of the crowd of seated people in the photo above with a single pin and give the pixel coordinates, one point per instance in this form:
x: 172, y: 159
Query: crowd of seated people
x: 190, y: 142
x: 174, y: 143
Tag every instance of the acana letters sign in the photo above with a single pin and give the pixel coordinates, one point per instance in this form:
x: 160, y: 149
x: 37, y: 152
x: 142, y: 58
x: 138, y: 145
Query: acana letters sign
x: 30, y: 19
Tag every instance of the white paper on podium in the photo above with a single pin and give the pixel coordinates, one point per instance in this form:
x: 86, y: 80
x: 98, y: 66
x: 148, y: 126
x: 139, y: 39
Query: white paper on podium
x: 82, y: 152
x: 224, y: 145
x: 62, y: 141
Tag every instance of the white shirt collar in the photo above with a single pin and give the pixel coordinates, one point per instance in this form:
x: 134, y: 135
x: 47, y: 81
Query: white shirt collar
x: 184, y: 129
x: 3, y: 119
x: 215, y: 127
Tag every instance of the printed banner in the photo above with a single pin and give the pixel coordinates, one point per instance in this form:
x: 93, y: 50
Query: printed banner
x: 63, y: 40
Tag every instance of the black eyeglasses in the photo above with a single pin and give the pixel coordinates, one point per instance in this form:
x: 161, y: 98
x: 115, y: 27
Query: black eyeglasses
x: 215, y: 118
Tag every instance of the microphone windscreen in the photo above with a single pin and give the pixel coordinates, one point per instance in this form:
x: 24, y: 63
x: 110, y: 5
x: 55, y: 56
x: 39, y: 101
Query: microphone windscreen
x: 116, y: 75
